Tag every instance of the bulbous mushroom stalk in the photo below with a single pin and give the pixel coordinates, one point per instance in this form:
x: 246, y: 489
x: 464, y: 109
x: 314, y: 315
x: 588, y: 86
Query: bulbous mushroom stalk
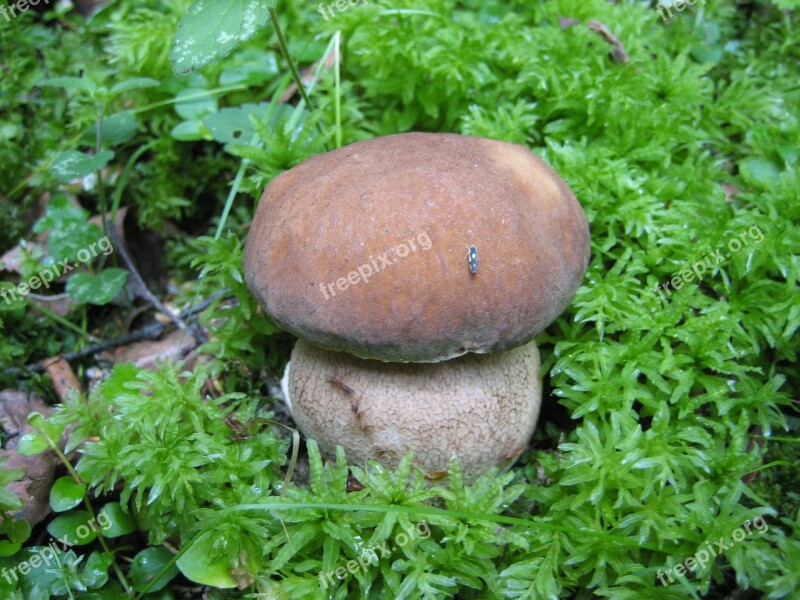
x: 481, y: 407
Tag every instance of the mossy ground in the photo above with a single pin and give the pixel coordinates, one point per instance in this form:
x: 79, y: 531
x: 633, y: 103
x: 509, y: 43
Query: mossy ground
x: 670, y: 419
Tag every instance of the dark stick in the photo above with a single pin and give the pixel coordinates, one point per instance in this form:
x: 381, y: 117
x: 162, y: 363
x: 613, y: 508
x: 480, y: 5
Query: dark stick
x: 143, y: 291
x: 150, y: 332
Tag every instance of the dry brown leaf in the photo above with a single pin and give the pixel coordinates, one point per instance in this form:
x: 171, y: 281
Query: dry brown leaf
x: 731, y: 191
x: 566, y: 23
x: 64, y: 379
x: 618, y: 51
x: 12, y: 260
x: 175, y: 346
x: 34, y: 487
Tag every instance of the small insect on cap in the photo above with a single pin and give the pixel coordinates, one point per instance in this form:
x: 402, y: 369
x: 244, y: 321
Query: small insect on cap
x: 363, y: 249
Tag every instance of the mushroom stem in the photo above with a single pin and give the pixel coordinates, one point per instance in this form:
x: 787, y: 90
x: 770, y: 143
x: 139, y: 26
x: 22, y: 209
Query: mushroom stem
x: 483, y: 408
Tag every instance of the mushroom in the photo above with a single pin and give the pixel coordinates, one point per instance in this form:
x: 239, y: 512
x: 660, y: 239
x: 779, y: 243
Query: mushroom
x: 417, y: 248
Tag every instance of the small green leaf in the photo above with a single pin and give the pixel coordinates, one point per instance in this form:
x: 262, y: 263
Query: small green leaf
x: 233, y: 124
x: 11, y: 301
x: 36, y: 420
x: 212, y: 29
x: 251, y: 67
x: 70, y: 231
x: 134, y: 84
x: 68, y: 238
x: 759, y: 172
x: 39, y: 581
x: 115, y: 129
x: 51, y: 430
x: 32, y: 443
x: 76, y: 527
x: 9, y: 500
x: 115, y: 522
x: 9, y: 548
x: 148, y: 564
x: 59, y: 209
x: 190, y: 131
x: 97, y: 289
x: 195, y: 103
x: 196, y: 564
x: 72, y: 164
x: 9, y: 475
x: 122, y: 376
x: 66, y: 494
x: 95, y: 573
x: 17, y: 532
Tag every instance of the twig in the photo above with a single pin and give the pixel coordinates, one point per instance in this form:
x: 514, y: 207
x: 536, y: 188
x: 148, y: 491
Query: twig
x: 150, y: 332
x: 737, y: 593
x: 618, y: 52
x: 52, y: 298
x: 143, y: 291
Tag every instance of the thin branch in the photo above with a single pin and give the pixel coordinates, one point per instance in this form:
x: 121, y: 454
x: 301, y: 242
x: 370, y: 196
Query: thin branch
x: 52, y: 298
x: 150, y: 332
x: 143, y: 291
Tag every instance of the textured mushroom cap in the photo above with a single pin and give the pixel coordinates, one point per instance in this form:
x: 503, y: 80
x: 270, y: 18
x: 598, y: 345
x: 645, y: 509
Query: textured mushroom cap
x: 364, y: 249
x: 481, y: 407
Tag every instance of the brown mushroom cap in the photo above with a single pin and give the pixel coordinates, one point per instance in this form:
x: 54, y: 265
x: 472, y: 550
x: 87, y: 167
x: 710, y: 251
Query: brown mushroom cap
x: 364, y: 249
x: 483, y: 408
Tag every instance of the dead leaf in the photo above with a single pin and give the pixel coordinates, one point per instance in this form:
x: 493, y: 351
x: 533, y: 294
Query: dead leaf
x: 618, y: 52
x: 174, y: 347
x: 731, y: 191
x: 12, y: 260
x: 241, y: 574
x: 34, y: 487
x: 63, y: 377
x: 566, y: 23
